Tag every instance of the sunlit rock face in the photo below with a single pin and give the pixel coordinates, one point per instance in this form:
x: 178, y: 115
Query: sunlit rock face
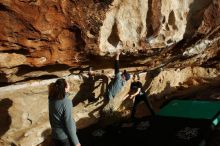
x: 39, y: 33
x: 24, y: 107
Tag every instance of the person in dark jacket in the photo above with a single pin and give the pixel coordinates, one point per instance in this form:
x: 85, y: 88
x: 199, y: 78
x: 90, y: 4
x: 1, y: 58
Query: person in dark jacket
x: 119, y: 79
x: 60, y: 115
x: 138, y: 95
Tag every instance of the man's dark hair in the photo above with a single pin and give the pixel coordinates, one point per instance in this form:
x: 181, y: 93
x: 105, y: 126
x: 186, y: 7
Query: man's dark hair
x: 126, y: 75
x: 137, y: 75
x: 57, y: 89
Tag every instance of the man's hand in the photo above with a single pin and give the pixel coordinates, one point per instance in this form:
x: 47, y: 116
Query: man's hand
x: 132, y: 96
x: 129, y: 96
x: 91, y: 72
x: 119, y: 45
x: 118, y: 50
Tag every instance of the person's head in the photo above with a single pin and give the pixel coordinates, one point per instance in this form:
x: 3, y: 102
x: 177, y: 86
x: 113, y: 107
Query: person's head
x: 125, y: 75
x: 58, y: 89
x: 119, y: 45
x: 136, y: 77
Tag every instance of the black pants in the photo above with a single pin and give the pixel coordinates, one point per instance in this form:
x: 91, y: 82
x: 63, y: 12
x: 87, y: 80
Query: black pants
x: 137, y: 100
x: 64, y: 142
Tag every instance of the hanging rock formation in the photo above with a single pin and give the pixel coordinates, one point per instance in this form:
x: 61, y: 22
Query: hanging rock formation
x: 39, y: 35
x: 175, y: 44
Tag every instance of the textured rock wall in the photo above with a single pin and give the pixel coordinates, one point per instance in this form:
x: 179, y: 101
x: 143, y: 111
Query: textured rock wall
x: 24, y: 107
x: 41, y: 39
x: 72, y: 33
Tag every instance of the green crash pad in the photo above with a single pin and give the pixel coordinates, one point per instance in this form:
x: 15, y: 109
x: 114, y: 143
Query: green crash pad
x: 194, y: 109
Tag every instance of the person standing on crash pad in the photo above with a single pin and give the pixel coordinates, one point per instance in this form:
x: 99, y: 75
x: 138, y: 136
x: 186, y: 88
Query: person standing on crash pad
x: 119, y: 79
x: 138, y: 95
x: 60, y: 115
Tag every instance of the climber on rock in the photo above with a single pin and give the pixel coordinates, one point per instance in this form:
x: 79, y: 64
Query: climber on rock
x: 119, y: 79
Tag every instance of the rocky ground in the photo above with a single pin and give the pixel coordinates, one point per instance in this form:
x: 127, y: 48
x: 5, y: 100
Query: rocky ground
x: 124, y: 132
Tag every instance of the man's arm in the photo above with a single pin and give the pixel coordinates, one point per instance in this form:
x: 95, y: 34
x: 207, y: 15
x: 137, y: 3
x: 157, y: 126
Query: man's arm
x: 117, y: 64
x: 131, y: 95
x: 136, y: 93
x: 70, y: 124
x: 118, y: 52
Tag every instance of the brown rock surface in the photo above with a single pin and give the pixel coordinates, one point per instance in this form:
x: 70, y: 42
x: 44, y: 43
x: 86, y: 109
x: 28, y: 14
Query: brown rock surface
x: 24, y: 110
x: 36, y: 34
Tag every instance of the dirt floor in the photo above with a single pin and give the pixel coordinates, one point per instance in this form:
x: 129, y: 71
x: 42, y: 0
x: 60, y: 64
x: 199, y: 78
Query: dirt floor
x: 139, y: 133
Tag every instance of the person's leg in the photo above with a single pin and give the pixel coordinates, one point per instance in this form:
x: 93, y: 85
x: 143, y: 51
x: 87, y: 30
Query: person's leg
x: 56, y: 142
x: 144, y: 98
x: 136, y: 101
x: 64, y: 142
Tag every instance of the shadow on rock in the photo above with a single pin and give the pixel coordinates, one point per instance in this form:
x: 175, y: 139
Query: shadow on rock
x: 5, y: 118
x: 88, y: 87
